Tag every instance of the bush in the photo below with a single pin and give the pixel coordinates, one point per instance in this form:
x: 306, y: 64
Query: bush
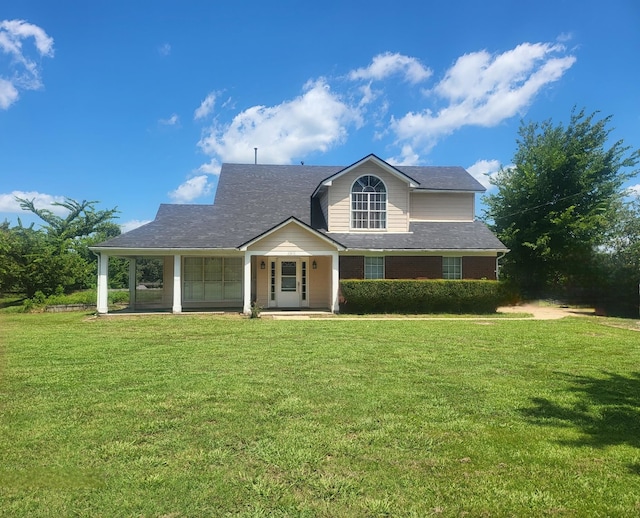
x: 255, y: 310
x: 86, y: 297
x: 423, y: 296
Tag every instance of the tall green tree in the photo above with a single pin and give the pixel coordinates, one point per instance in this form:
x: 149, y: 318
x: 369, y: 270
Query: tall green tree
x: 554, y: 206
x: 81, y: 220
x: 8, y: 267
x: 55, y: 256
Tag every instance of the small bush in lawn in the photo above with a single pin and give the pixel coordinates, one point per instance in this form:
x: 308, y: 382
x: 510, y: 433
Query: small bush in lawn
x: 255, y: 310
x: 423, y: 296
x: 34, y: 303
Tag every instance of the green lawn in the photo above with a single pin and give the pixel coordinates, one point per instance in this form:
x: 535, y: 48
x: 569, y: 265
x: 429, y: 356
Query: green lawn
x: 193, y: 415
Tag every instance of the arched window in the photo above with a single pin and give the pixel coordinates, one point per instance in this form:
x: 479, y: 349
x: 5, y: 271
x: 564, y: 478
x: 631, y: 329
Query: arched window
x: 368, y: 203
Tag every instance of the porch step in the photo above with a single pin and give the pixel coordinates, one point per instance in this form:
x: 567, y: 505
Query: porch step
x: 295, y: 314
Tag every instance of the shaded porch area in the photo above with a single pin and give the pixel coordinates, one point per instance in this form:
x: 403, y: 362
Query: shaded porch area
x: 222, y: 284
x: 292, y: 266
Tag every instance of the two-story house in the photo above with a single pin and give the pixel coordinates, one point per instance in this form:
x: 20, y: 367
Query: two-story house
x: 284, y: 235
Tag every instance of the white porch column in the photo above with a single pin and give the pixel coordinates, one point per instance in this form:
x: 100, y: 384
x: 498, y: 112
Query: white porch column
x: 177, y: 284
x: 103, y: 284
x: 335, y: 282
x: 246, y: 279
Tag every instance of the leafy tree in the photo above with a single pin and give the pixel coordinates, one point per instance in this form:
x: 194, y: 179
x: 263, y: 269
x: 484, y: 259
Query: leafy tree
x: 43, y: 266
x: 149, y: 271
x: 553, y: 208
x: 118, y: 266
x: 56, y: 256
x: 82, y: 219
x: 619, y: 262
x: 8, y: 268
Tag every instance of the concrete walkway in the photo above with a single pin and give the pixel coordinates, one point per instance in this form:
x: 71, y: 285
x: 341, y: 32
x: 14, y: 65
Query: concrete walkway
x: 531, y: 311
x: 547, y: 312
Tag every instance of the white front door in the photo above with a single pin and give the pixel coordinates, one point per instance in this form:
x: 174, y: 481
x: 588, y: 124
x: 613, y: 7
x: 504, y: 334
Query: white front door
x: 288, y: 283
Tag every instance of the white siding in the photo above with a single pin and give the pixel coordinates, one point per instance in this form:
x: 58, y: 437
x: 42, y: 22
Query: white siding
x: 340, y: 199
x: 320, y: 283
x: 262, y: 280
x: 291, y: 239
x: 442, y: 206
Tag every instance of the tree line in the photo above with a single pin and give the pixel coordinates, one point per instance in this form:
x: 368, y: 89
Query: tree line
x: 572, y: 229
x: 55, y: 258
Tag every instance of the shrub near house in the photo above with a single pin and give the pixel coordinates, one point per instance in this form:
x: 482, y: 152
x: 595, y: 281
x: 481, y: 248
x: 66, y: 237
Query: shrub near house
x: 422, y: 296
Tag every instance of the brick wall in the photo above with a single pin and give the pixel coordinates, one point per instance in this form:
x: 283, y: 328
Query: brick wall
x: 418, y: 267
x: 479, y: 267
x: 413, y: 267
x: 352, y: 267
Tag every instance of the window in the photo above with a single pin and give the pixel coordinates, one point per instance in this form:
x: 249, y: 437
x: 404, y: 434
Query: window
x: 452, y: 267
x: 212, y: 278
x: 288, y: 276
x: 272, y: 285
x: 304, y: 280
x: 374, y: 267
x: 368, y: 203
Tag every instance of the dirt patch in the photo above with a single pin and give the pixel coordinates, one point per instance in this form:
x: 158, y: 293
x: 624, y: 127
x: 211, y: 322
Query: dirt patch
x: 547, y: 312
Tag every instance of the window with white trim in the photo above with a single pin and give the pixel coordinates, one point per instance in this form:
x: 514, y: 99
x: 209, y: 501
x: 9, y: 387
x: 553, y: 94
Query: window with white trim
x: 212, y: 279
x: 368, y: 203
x: 374, y: 267
x: 452, y: 267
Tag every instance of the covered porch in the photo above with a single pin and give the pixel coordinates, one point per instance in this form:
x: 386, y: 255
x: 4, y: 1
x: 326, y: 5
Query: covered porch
x: 290, y: 267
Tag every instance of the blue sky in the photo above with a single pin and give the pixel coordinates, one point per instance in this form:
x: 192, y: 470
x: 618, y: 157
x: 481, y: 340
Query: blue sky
x: 135, y: 104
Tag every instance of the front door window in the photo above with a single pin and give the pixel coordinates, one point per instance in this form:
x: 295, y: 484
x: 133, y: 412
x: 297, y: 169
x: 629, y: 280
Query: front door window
x: 288, y: 283
x: 288, y: 276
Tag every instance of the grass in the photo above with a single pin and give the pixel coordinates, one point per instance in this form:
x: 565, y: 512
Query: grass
x: 194, y: 415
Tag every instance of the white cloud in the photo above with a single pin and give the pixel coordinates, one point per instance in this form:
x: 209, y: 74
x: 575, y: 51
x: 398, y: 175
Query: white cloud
x: 164, y: 49
x: 9, y: 204
x: 193, y: 188
x: 387, y: 64
x: 12, y: 32
x: 206, y: 106
x: 130, y: 225
x: 483, y: 170
x: 174, y: 120
x: 212, y: 167
x: 25, y: 71
x: 634, y: 190
x: 481, y: 89
x: 407, y: 157
x: 368, y: 94
x: 197, y: 186
x: 565, y: 37
x: 314, y: 121
x: 8, y: 94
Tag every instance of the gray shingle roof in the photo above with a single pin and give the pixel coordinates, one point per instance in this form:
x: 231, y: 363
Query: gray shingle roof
x: 251, y: 199
x: 451, y: 178
x: 473, y: 235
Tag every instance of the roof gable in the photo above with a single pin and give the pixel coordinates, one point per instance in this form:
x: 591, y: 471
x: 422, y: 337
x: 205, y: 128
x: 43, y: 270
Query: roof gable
x: 299, y: 229
x: 326, y: 182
